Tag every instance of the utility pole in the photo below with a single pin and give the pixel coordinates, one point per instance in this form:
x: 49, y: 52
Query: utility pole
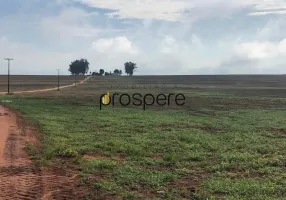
x: 75, y: 80
x: 58, y: 79
x: 8, y: 59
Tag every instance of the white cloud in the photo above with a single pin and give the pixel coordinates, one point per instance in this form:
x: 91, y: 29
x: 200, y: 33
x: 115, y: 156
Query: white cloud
x: 143, y: 9
x: 157, y: 47
x: 168, y: 44
x: 273, y: 29
x: 181, y: 10
x: 71, y: 22
x: 29, y: 59
x: 270, y: 4
x: 32, y: 60
x: 281, y: 12
x: 119, y: 44
x: 261, y: 50
x: 266, y: 7
x: 255, y: 57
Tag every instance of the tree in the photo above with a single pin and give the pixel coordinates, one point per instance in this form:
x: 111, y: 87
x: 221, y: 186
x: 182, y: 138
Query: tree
x: 79, y: 67
x: 116, y: 71
x: 120, y: 72
x: 96, y: 74
x: 101, y: 72
x: 129, y: 68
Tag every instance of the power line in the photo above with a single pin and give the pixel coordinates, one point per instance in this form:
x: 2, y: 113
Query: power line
x: 58, y: 79
x: 8, y: 59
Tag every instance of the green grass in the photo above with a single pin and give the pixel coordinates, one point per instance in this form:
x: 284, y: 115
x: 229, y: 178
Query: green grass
x: 228, y: 154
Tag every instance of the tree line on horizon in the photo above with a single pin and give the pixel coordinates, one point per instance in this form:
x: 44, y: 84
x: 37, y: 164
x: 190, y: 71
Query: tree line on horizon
x: 81, y: 67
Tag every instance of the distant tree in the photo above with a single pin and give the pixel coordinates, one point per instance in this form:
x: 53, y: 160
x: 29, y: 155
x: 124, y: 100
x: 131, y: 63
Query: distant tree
x: 96, y: 74
x: 129, y: 68
x: 116, y: 71
x: 78, y: 67
x: 107, y: 74
x: 120, y: 72
x: 101, y: 72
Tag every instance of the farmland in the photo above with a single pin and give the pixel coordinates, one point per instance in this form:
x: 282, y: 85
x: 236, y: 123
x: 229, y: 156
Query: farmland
x: 226, y: 142
x: 33, y: 82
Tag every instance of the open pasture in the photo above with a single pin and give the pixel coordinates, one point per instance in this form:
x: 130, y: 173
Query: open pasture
x: 227, y: 142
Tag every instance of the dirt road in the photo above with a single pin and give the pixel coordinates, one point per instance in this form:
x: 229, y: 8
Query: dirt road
x: 19, y: 177
x: 48, y: 89
x: 17, y: 174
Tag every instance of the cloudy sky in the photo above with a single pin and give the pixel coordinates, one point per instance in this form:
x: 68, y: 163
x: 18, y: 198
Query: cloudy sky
x: 161, y: 36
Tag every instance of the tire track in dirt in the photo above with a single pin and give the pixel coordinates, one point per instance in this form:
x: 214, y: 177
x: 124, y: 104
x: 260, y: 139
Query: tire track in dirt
x: 19, y: 177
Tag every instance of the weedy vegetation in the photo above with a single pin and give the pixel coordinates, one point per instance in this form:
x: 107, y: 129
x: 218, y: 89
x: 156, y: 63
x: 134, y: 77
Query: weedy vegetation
x: 227, y: 142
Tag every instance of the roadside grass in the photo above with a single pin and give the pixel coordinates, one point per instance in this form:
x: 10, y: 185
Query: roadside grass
x: 129, y: 153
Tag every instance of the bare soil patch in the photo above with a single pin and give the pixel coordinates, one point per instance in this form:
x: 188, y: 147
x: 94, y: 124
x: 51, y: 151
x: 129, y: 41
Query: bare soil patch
x: 118, y: 158
x: 277, y: 130
x: 208, y: 128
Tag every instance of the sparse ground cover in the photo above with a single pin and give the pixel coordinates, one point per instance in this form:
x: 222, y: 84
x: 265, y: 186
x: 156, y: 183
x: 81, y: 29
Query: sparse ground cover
x: 225, y: 143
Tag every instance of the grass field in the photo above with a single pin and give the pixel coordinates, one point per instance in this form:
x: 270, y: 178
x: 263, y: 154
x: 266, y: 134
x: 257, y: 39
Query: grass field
x: 33, y: 82
x: 227, y: 142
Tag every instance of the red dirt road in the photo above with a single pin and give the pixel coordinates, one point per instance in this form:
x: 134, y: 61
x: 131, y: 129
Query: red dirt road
x: 5, y: 122
x: 16, y: 171
x: 48, y: 89
x: 19, y: 177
